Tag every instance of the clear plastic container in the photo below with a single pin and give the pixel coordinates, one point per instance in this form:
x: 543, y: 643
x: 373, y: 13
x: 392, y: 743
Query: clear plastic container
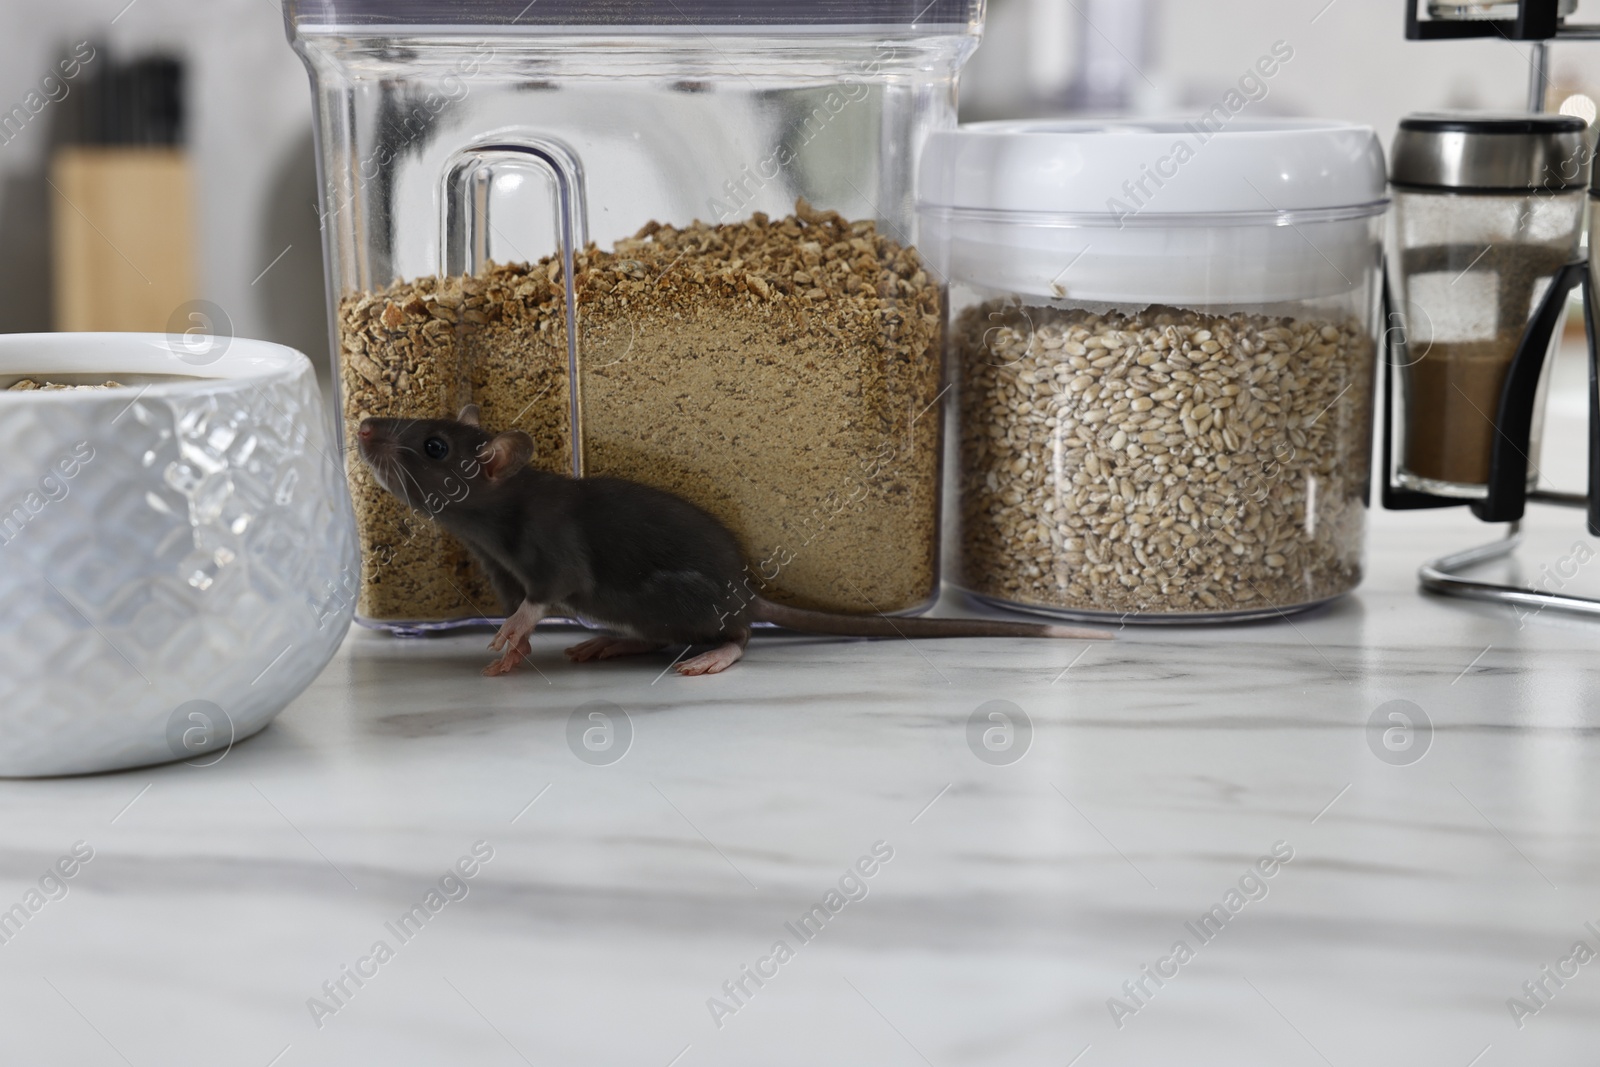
x: 674, y: 240
x: 1163, y: 339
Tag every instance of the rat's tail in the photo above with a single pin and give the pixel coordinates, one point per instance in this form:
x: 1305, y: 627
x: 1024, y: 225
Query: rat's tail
x: 823, y: 622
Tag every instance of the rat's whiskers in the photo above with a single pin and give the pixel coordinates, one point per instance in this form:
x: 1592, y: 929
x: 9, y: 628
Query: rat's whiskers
x: 400, y: 489
x: 423, y: 492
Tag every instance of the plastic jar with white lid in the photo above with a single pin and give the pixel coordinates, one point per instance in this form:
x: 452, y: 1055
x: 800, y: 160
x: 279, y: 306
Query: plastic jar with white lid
x: 1163, y: 336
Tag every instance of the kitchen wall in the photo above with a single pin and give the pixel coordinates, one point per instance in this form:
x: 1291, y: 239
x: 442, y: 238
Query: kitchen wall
x: 1351, y: 58
x: 249, y: 136
x: 250, y: 110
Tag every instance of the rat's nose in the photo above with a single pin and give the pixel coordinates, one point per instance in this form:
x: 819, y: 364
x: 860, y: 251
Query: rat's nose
x: 366, y: 429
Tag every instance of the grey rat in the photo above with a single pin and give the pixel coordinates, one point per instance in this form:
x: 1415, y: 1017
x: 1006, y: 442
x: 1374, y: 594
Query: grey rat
x: 631, y: 558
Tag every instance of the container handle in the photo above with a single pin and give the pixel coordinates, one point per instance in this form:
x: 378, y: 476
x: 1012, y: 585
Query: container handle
x: 1513, y: 422
x: 1589, y: 327
x: 465, y: 228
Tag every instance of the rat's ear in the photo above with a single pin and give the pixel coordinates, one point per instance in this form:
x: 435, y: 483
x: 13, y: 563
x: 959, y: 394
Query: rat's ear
x: 506, y: 454
x: 469, y: 415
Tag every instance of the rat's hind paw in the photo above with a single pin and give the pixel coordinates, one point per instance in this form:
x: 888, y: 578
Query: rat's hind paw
x: 605, y: 647
x: 716, y: 661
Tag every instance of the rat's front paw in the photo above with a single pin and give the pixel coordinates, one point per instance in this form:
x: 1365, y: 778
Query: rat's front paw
x: 504, y: 637
x: 504, y: 665
x: 514, y: 654
x: 513, y: 633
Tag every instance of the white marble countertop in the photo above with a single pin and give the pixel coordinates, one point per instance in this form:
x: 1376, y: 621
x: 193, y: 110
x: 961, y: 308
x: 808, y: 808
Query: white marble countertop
x: 1020, y: 897
x: 620, y: 898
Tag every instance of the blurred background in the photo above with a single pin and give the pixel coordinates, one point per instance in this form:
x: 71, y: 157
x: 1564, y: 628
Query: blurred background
x: 202, y: 103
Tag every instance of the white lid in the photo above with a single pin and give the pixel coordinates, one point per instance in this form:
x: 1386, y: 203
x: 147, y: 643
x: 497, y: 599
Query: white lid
x: 1263, y: 212
x: 1173, y: 166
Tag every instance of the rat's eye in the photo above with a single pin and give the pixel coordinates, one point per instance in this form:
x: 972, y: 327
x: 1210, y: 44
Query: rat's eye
x: 436, y: 448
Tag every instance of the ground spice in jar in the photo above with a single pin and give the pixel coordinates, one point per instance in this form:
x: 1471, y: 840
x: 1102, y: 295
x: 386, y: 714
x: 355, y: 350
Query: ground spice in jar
x: 1163, y: 461
x: 28, y: 385
x: 783, y: 374
x: 1452, y: 387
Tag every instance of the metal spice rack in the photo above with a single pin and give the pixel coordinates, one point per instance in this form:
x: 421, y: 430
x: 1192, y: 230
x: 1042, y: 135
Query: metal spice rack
x: 1507, y: 492
x: 1536, y: 22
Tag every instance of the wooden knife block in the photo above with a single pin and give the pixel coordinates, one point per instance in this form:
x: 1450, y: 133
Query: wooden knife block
x: 122, y: 235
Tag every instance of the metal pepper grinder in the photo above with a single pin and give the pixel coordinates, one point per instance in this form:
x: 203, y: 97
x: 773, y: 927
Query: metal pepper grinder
x: 1487, y: 224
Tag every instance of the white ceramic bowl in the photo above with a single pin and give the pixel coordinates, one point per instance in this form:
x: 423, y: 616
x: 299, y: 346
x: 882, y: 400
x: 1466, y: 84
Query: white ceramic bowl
x: 177, y: 556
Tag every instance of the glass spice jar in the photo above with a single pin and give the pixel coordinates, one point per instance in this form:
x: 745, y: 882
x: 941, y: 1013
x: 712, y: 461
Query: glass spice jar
x: 1487, y: 208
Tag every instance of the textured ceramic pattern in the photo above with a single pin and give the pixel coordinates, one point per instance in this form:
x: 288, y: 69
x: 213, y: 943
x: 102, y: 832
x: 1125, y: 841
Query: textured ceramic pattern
x: 202, y: 550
